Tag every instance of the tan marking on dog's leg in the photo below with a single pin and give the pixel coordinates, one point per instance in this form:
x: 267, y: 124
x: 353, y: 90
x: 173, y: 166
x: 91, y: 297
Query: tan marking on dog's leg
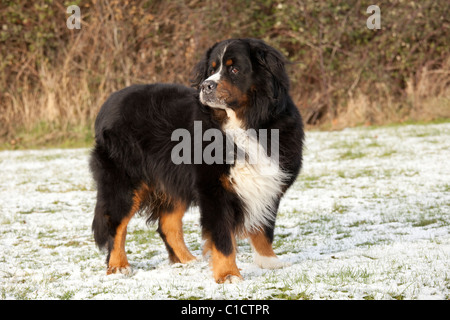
x: 263, y: 254
x: 118, y: 262
x: 171, y: 226
x: 261, y: 244
x: 224, y: 267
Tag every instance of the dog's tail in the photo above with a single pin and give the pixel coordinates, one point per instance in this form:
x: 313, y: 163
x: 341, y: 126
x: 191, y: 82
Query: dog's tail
x: 100, y: 225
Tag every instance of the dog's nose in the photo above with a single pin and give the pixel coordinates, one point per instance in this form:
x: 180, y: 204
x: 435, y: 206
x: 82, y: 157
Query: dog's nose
x: 208, y: 86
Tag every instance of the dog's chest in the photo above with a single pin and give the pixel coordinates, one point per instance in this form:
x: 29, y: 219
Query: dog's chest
x: 256, y: 178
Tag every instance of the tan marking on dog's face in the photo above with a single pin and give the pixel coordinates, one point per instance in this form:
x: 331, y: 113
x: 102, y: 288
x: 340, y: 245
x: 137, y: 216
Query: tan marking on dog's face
x: 229, y: 93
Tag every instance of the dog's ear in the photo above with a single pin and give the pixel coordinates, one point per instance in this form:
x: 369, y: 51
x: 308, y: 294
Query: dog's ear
x: 271, y: 88
x: 273, y: 62
x: 199, y: 73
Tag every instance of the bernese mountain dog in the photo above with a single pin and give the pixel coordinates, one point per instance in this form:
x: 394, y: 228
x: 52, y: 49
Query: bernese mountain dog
x: 231, y: 145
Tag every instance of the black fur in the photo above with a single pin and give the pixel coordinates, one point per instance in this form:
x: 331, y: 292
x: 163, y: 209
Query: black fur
x: 133, y: 146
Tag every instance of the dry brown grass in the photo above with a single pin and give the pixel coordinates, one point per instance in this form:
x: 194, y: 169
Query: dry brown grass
x: 52, y: 90
x: 426, y: 98
x: 429, y: 93
x: 112, y: 50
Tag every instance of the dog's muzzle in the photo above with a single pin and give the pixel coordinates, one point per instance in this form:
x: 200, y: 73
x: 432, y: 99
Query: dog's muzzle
x: 208, y: 87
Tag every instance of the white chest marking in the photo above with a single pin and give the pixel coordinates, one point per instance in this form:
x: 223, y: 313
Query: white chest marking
x: 258, y: 180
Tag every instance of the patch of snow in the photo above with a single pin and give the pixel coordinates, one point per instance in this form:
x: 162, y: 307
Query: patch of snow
x: 368, y: 218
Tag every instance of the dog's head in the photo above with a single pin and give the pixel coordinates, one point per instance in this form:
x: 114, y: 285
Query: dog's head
x: 244, y: 75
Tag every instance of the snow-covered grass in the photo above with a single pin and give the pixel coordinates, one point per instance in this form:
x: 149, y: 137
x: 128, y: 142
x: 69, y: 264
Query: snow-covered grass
x: 368, y: 218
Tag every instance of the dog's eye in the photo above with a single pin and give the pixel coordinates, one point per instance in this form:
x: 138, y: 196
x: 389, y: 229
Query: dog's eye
x: 234, y: 70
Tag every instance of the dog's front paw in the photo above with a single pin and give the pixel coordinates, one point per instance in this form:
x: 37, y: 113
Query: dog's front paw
x: 230, y: 278
x: 119, y: 270
x: 270, y: 262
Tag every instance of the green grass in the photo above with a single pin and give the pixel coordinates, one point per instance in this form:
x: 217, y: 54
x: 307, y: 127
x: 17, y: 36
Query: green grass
x: 407, y: 123
x: 290, y: 296
x: 67, y: 295
x: 50, y: 135
x: 350, y: 155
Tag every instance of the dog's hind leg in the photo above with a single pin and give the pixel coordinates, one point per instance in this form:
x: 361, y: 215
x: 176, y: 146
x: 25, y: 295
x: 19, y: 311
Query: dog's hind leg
x: 170, y: 228
x: 117, y: 260
x: 117, y: 202
x: 112, y: 215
